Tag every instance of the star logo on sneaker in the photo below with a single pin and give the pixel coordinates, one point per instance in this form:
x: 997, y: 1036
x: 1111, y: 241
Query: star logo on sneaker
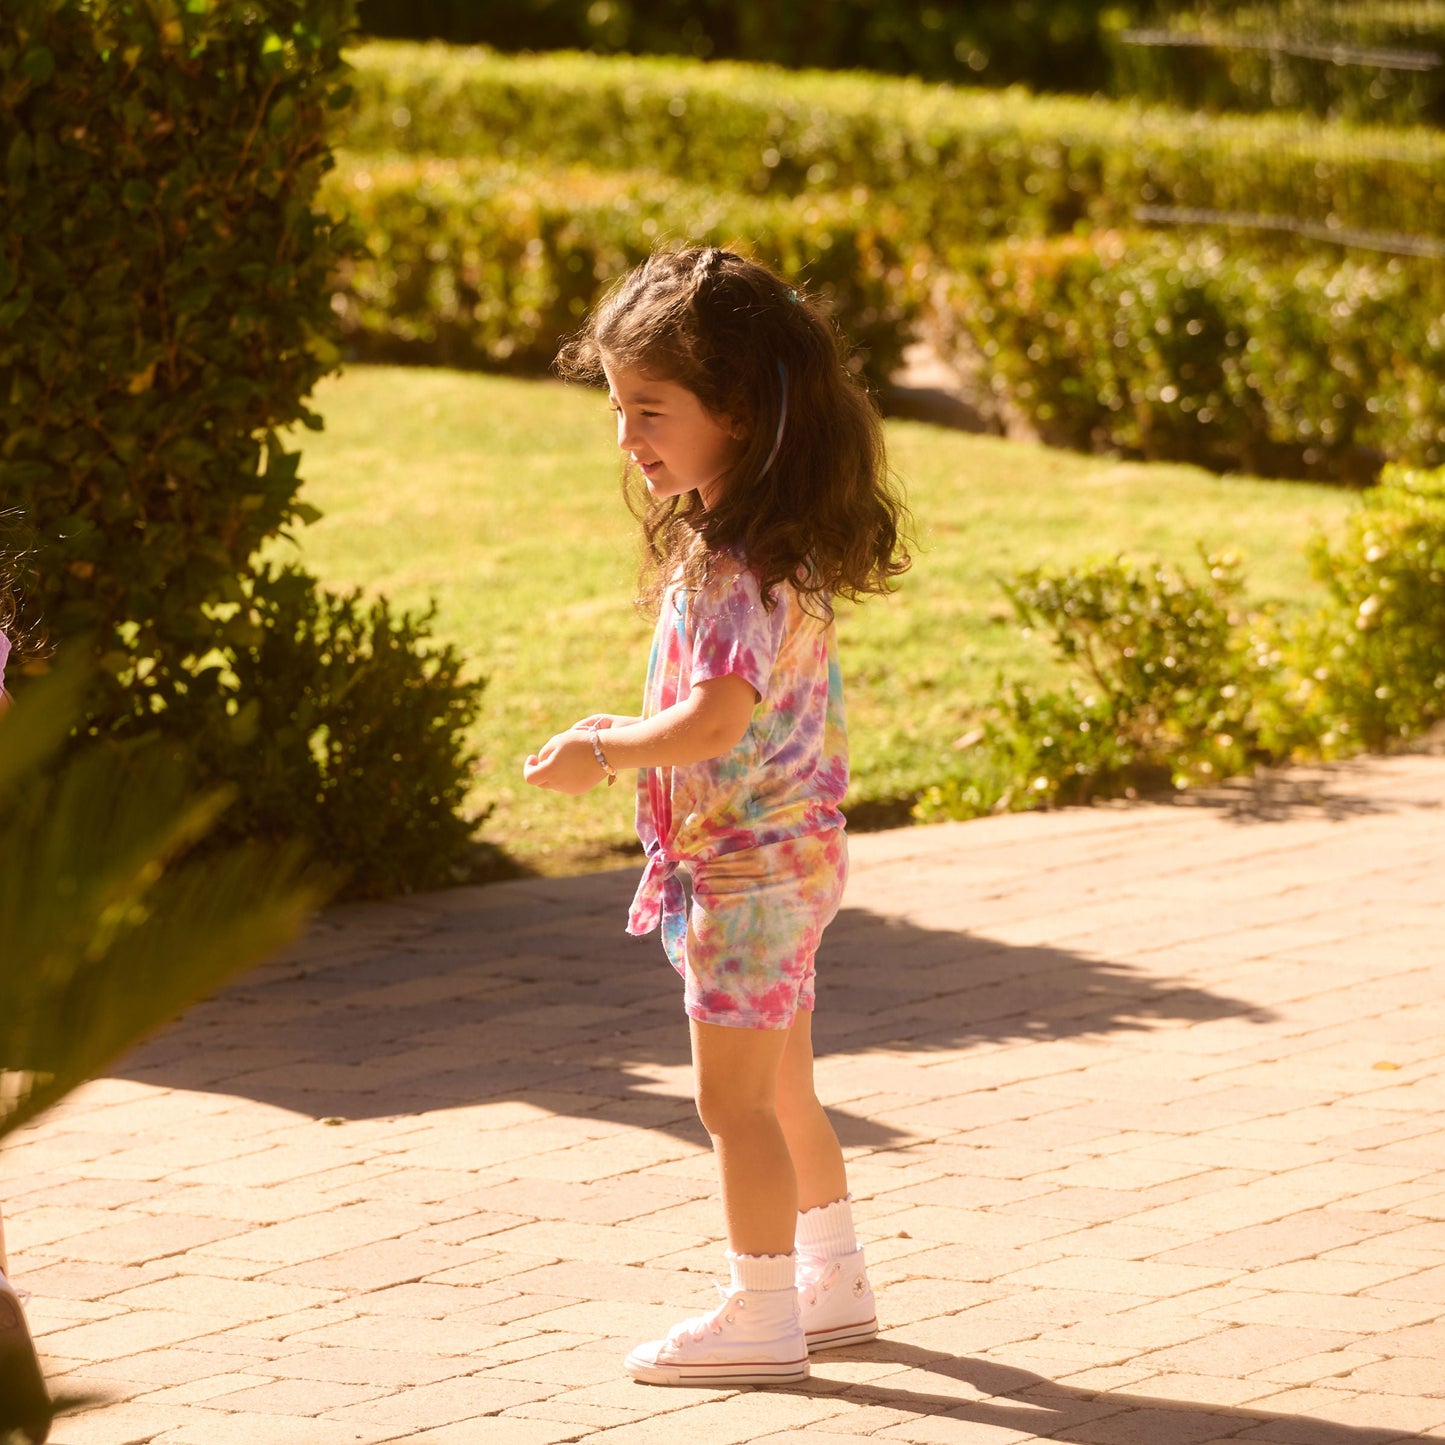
x: 859, y: 1285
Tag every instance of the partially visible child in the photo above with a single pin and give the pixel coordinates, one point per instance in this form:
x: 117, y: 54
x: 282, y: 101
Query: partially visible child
x: 764, y: 494
x: 24, y: 1403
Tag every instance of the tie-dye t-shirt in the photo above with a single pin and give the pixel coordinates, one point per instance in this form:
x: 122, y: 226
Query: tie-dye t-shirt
x: 787, y: 777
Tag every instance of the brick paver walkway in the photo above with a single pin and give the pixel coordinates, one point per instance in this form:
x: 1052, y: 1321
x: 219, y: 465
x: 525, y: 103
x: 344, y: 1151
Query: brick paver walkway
x: 1143, y: 1109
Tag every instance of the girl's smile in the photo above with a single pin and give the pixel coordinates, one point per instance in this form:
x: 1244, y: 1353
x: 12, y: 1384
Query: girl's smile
x: 673, y: 440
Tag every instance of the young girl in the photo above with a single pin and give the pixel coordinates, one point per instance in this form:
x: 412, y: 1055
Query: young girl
x: 766, y: 496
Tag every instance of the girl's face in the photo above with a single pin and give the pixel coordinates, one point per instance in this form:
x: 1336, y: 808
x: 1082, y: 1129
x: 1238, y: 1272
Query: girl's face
x: 677, y: 444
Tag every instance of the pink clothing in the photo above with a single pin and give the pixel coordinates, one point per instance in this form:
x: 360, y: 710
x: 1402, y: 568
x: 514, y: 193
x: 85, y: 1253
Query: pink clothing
x: 4, y: 658
x: 785, y: 780
x: 753, y: 927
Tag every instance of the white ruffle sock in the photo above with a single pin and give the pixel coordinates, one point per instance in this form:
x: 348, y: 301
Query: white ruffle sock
x: 754, y: 1337
x: 827, y: 1231
x: 835, y: 1300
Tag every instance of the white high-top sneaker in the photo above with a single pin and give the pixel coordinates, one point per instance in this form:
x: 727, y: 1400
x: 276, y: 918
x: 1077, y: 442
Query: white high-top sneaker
x: 753, y: 1337
x: 835, y: 1301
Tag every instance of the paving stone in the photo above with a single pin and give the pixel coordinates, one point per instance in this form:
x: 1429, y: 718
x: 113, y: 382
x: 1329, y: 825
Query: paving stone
x: 951, y: 1430
x: 442, y: 1403
x: 1179, y: 1425
x: 373, y: 1266
x: 1354, y: 1313
x: 236, y: 1299
x: 122, y: 1424
x: 1133, y: 1277
x: 506, y: 1429
x: 211, y: 1427
x: 1411, y: 1375
x: 124, y: 1334
x: 1120, y: 1157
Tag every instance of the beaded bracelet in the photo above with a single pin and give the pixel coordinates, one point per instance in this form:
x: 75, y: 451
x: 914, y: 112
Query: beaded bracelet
x: 596, y: 736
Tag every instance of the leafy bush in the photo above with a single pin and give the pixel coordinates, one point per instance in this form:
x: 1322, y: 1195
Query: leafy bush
x: 1166, y: 692
x: 345, y: 731
x: 163, y: 307
x: 1176, y: 682
x: 1165, y: 348
x: 113, y: 918
x: 164, y: 312
x: 1370, y: 668
x: 472, y: 265
x: 1286, y: 55
x: 1049, y: 44
x: 962, y: 165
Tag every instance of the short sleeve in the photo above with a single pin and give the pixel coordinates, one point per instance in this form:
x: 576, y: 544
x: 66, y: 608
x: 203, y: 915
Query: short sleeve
x: 4, y: 658
x: 731, y: 632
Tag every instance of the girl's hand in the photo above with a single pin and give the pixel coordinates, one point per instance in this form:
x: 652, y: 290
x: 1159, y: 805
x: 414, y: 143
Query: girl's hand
x: 566, y: 764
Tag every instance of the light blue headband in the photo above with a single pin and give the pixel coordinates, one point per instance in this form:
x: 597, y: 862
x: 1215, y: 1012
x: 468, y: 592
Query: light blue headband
x: 782, y: 422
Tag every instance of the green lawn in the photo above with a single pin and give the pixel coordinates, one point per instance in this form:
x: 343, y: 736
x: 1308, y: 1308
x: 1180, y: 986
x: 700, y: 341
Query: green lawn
x: 499, y: 498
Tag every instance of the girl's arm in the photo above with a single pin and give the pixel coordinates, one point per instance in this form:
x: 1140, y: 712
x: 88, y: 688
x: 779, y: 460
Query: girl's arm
x: 603, y: 720
x: 709, y: 722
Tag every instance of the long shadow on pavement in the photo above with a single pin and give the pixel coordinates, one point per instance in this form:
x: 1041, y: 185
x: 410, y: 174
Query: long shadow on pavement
x: 530, y: 989
x: 1005, y: 1397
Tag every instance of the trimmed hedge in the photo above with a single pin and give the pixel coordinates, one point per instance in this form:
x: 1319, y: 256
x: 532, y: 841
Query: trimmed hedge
x: 473, y: 265
x: 1049, y: 44
x: 1170, y: 349
x: 1283, y: 57
x: 962, y: 165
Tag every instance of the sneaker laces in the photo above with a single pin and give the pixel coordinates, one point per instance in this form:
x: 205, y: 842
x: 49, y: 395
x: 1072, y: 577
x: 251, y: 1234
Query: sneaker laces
x: 697, y: 1327
x: 816, y: 1273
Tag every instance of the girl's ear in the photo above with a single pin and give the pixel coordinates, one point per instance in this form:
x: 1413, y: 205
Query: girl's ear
x: 736, y: 429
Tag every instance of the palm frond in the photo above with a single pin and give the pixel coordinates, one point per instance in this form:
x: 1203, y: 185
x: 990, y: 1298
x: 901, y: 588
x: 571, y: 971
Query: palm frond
x: 110, y: 921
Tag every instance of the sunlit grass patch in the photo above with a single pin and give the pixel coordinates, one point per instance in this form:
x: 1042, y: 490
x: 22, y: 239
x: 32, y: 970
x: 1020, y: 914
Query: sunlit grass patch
x: 499, y: 498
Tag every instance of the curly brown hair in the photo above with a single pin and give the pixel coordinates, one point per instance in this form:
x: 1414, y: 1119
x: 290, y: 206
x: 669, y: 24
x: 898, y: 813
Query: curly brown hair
x: 810, y: 501
x: 17, y: 579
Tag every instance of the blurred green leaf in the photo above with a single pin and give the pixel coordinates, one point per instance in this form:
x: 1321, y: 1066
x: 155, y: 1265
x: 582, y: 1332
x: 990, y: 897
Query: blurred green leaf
x: 113, y: 919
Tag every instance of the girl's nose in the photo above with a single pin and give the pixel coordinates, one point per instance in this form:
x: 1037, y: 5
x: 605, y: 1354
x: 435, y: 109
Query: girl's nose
x: 624, y: 432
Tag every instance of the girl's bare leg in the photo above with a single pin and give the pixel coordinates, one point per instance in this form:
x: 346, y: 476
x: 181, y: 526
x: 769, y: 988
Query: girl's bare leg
x: 736, y: 1076
x: 817, y: 1157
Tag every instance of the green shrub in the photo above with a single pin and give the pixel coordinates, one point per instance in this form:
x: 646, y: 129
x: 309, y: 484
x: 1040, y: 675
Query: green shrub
x: 472, y: 265
x: 1178, y: 683
x: 162, y: 293
x: 1165, y: 692
x: 1369, y: 669
x: 962, y: 165
x: 1190, y: 349
x: 345, y: 731
x: 164, y: 312
x: 1049, y: 44
x: 1286, y: 56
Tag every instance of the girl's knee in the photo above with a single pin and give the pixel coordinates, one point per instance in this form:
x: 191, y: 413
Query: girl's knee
x: 797, y: 1105
x: 724, y: 1112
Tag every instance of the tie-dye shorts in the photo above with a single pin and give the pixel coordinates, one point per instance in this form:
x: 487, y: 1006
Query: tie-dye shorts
x: 753, y: 924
